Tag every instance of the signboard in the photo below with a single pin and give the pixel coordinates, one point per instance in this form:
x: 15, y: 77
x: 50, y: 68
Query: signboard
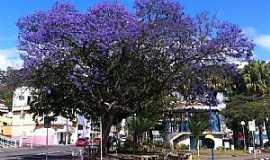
x: 47, y: 122
x: 251, y: 126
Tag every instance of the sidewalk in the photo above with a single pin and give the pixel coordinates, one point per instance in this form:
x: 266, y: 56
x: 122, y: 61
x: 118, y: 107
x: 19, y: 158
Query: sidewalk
x: 265, y: 156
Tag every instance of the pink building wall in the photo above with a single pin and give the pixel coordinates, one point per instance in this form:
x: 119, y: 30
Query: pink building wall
x: 37, y: 140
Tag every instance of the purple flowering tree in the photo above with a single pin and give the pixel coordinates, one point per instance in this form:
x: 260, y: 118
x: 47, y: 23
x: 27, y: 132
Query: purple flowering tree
x: 110, y: 62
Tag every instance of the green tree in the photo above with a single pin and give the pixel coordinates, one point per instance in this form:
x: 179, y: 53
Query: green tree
x: 142, y: 122
x: 256, y: 76
x: 197, y: 126
x: 250, y: 97
x: 10, y: 79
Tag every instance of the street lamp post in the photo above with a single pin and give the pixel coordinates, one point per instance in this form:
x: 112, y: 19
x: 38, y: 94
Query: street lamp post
x: 101, y: 139
x: 47, y: 125
x: 244, y: 136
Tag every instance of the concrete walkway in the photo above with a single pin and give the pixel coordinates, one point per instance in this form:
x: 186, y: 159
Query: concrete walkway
x: 265, y: 156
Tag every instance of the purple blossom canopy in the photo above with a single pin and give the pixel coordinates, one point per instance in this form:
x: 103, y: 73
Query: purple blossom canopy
x: 48, y: 35
x: 156, y: 48
x: 111, y: 62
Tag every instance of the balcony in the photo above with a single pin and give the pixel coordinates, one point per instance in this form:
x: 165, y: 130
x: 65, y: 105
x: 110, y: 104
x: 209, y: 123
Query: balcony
x: 20, y: 108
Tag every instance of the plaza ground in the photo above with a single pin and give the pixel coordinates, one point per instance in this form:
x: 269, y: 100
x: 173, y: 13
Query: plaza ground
x: 64, y: 153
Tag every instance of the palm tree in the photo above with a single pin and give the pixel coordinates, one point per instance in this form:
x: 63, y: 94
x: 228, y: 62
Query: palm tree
x: 197, y: 127
x: 141, y: 124
x: 256, y: 78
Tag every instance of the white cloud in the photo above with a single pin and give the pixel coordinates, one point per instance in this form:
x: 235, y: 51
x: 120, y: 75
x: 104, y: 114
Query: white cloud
x: 10, y: 58
x: 262, y: 40
x: 250, y: 32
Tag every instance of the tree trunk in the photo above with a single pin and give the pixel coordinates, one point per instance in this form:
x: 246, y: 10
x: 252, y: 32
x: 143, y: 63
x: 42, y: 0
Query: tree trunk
x: 135, y: 140
x: 246, y: 135
x: 150, y: 139
x: 260, y: 135
x: 235, y: 139
x: 267, y: 126
x: 107, y: 122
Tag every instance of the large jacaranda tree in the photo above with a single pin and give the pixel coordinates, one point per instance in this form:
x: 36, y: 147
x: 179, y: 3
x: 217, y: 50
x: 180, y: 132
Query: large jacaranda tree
x: 111, y: 62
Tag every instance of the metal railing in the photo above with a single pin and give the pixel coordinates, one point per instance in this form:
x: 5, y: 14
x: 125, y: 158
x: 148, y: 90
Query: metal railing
x: 6, y: 142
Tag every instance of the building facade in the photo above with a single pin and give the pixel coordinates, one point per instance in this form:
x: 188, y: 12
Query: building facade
x: 177, y: 127
x: 30, y: 130
x: 5, y: 119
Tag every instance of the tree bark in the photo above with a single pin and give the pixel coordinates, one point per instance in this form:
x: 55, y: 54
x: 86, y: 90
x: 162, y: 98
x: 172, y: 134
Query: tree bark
x: 107, y: 122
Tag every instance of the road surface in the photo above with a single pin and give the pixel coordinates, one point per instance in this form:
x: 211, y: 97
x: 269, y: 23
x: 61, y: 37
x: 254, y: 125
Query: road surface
x: 38, y: 153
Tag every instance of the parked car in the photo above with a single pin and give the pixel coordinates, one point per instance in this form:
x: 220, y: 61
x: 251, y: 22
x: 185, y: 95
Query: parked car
x: 95, y: 141
x: 123, y: 138
x: 81, y: 142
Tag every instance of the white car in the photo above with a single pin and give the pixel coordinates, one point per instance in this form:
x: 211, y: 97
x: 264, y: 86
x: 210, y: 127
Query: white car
x: 122, y: 138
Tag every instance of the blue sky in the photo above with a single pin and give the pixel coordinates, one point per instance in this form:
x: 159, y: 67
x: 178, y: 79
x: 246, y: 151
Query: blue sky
x: 252, y: 16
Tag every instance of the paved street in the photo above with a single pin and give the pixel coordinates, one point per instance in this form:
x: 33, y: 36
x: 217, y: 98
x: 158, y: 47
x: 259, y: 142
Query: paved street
x: 38, y: 153
x: 250, y: 157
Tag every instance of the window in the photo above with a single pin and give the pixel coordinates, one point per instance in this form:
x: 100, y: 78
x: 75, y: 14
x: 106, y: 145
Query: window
x: 80, y: 127
x: 21, y: 98
x: 28, y: 100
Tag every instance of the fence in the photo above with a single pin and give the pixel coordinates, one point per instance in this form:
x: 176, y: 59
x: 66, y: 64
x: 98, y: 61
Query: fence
x: 6, y: 142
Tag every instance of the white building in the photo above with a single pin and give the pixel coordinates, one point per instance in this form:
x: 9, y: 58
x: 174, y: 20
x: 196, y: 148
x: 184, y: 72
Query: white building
x: 32, y: 131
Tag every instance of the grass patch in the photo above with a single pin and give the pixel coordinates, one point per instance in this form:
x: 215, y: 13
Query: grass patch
x: 219, y: 153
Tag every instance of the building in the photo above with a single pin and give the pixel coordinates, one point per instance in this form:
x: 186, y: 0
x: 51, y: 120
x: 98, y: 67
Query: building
x: 3, y: 108
x: 178, y: 131
x: 31, y: 131
x: 5, y: 119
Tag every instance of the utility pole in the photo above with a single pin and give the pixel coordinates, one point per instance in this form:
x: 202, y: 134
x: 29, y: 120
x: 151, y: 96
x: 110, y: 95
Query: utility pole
x: 47, y: 130
x: 210, y: 115
x: 47, y: 125
x: 244, y: 136
x: 254, y: 150
x: 67, y: 131
x: 101, y: 140
x: 252, y: 129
